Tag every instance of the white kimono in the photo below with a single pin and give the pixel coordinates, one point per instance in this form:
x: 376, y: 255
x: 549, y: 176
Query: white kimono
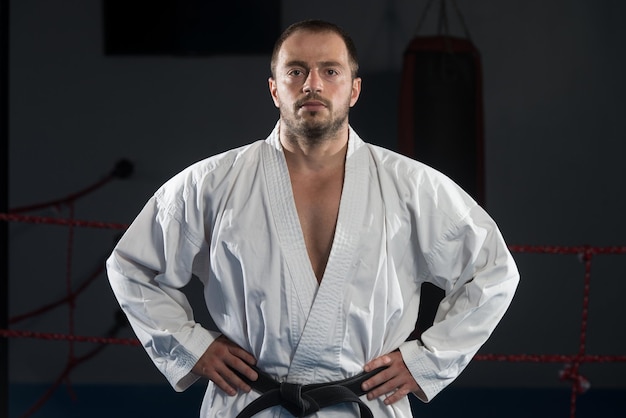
x: 230, y: 220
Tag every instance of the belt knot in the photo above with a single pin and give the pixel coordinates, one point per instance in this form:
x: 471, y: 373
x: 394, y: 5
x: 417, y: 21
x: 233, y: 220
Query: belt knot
x: 297, y: 403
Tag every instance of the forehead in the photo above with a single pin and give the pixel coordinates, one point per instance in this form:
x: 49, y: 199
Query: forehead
x: 313, y: 47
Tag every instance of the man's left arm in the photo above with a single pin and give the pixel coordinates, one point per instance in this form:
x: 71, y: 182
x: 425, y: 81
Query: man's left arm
x: 472, y: 263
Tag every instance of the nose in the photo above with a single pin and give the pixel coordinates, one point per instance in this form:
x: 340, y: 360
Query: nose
x: 313, y: 83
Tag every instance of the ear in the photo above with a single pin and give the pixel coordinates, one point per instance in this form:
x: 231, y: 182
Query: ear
x: 273, y: 91
x: 356, y: 91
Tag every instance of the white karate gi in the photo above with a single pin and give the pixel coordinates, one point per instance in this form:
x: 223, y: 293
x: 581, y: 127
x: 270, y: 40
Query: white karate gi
x: 231, y: 221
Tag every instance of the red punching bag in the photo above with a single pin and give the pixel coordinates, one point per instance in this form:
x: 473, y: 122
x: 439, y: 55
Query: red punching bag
x: 441, y: 107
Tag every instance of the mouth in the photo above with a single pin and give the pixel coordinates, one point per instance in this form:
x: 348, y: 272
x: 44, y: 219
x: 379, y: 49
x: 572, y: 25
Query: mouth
x: 312, y: 105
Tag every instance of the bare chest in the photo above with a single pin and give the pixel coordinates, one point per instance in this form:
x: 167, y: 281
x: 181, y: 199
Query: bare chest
x: 317, y: 204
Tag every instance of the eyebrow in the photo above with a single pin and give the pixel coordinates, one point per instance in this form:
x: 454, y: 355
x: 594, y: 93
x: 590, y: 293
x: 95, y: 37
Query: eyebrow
x: 299, y: 63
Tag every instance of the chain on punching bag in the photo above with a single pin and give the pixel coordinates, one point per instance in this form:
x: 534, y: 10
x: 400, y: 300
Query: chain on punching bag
x: 441, y: 106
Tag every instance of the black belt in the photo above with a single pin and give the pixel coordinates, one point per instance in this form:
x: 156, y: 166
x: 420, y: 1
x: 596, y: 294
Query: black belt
x: 304, y: 400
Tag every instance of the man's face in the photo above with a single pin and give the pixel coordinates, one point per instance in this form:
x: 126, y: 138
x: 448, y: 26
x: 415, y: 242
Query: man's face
x: 312, y: 85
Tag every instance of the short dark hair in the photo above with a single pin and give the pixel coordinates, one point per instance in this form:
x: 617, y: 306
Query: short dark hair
x: 317, y: 26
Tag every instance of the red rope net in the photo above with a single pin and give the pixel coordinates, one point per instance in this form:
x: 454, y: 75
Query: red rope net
x: 123, y: 169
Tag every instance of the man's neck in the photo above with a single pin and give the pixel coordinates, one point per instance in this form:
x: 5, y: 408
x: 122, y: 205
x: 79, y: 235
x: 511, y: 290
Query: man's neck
x: 315, y: 156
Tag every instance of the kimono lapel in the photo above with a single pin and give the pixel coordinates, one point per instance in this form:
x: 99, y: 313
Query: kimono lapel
x: 320, y: 336
x: 303, y: 288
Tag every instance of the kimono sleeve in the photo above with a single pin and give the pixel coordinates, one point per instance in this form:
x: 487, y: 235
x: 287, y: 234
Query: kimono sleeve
x: 152, y: 261
x: 472, y: 263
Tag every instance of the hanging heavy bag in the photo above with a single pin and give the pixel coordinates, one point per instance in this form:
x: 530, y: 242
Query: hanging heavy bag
x: 441, y: 106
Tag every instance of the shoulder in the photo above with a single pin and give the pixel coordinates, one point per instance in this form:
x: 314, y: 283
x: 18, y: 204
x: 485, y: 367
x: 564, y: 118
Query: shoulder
x: 408, y: 171
x: 223, y: 162
x: 211, y: 172
x: 386, y: 160
x: 392, y: 160
x: 419, y: 185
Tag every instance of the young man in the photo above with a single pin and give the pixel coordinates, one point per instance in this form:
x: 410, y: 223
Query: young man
x: 312, y: 246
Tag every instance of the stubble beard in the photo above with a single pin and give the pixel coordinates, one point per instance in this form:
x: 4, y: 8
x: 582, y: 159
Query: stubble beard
x: 312, y: 128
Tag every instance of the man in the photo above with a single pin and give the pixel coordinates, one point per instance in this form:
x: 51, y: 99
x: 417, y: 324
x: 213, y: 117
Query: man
x: 312, y: 246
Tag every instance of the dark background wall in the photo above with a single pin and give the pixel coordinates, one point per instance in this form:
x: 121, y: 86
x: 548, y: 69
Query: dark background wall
x: 554, y: 145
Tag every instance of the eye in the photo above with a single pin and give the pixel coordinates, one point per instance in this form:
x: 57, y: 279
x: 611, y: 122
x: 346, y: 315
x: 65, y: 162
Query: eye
x: 332, y: 72
x: 295, y: 72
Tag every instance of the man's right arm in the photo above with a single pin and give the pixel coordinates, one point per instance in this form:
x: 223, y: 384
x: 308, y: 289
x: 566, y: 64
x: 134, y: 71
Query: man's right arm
x: 147, y: 269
